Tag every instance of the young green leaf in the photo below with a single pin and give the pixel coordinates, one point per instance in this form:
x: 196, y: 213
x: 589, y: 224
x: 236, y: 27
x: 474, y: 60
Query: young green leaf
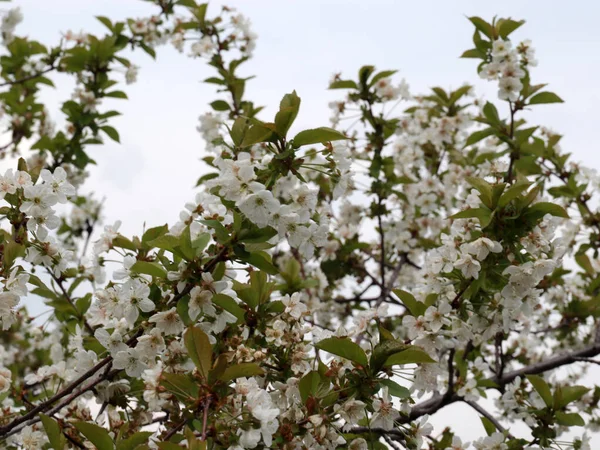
x: 55, y: 437
x: 542, y: 388
x: 316, y: 136
x: 410, y: 355
x: 545, y: 97
x: 96, y: 435
x: 288, y: 110
x: 241, y: 370
x: 149, y: 268
x: 345, y: 348
x: 199, y: 349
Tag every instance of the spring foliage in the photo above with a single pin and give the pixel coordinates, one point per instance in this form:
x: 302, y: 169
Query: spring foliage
x: 325, y: 289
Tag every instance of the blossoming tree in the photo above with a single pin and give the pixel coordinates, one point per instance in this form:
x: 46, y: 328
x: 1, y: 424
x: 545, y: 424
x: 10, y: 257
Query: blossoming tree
x: 331, y: 289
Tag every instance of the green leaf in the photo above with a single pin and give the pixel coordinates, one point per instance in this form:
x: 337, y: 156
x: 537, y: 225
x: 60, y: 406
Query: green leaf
x: 411, y: 355
x: 181, y: 385
x: 199, y: 349
x: 229, y: 305
x: 343, y: 84
x: 309, y: 384
x: 241, y: 370
x: 255, y: 134
x: 563, y: 395
x: 123, y: 242
x: 364, y: 73
x: 539, y: 210
x: 83, y: 304
x: 116, y: 94
x: 316, y: 136
x: 12, y: 251
x: 96, y: 435
x: 255, y: 235
x: 490, y: 428
x: 185, y: 244
x: 569, y: 419
x: 545, y: 97
x: 220, y: 230
x: 383, y: 351
x: 258, y: 260
x: 149, y: 268
x: 415, y: 307
x: 483, y: 214
x: 542, y: 388
x: 507, y: 26
x: 491, y: 114
x: 165, y: 242
x: 513, y: 192
x: 56, y: 438
x: 345, y: 348
x: 482, y: 26
x: 111, y: 132
x: 473, y: 53
x: 584, y: 262
x: 107, y: 23
x: 484, y: 188
x: 154, y: 233
x: 441, y: 94
x: 381, y: 75
x: 134, y: 440
x: 478, y: 136
x: 395, y: 389
x: 201, y: 242
x: 288, y: 110
x: 220, y: 105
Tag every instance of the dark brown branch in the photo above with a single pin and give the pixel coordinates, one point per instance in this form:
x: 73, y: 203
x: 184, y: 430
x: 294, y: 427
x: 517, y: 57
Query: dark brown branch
x: 69, y: 389
x: 174, y: 430
x: 588, y: 360
x: 29, y: 77
x: 489, y: 417
x: 438, y: 401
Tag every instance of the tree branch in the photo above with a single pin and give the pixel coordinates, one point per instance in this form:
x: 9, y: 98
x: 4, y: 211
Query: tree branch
x: 489, y: 417
x: 69, y: 389
x: 438, y: 401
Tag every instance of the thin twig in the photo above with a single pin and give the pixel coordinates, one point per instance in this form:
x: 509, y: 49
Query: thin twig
x: 489, y: 417
x: 81, y: 316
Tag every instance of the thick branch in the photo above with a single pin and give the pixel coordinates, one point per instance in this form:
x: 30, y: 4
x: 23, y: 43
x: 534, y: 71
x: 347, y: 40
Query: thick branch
x: 438, y: 401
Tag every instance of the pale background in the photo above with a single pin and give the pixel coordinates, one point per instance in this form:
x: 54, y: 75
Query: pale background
x: 150, y: 175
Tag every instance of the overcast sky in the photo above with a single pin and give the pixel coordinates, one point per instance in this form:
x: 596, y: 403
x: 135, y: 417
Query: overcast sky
x: 301, y: 44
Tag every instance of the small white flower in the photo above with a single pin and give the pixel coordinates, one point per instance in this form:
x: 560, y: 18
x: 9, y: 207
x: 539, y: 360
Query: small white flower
x: 294, y: 306
x: 259, y: 207
x: 130, y: 361
x: 468, y: 266
x: 168, y: 321
x: 385, y: 414
x: 201, y: 301
x: 5, y: 379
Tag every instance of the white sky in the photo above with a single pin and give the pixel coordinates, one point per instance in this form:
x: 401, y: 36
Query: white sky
x: 150, y: 175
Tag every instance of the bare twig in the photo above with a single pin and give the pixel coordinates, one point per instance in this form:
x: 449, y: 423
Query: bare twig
x: 67, y: 297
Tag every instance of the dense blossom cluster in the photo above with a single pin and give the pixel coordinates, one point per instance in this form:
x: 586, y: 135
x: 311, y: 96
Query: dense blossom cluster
x: 330, y: 289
